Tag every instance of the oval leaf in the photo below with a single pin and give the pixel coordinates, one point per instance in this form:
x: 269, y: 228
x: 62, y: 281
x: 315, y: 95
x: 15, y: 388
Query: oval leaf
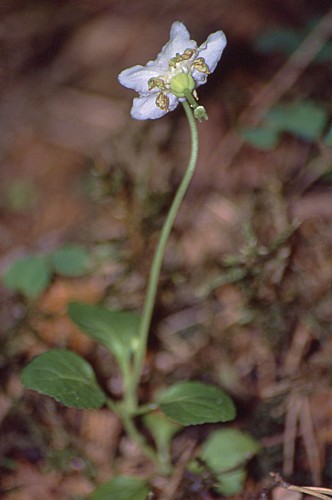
x: 29, y: 275
x: 116, y: 330
x: 261, y: 137
x: 230, y: 483
x: 162, y: 428
x: 70, y: 260
x: 121, y: 488
x: 328, y: 137
x: 226, y: 449
x: 66, y: 377
x: 305, y: 119
x: 191, y: 403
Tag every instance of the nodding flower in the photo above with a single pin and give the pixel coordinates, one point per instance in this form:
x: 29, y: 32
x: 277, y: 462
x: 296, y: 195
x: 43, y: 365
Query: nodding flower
x: 173, y: 77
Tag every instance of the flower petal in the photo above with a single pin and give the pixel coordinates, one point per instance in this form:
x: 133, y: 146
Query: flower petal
x: 144, y: 107
x: 137, y: 77
x: 211, y: 51
x: 179, y: 41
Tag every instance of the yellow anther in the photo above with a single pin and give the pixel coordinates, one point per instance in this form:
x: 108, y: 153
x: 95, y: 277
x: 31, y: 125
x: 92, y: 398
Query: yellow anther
x: 201, y: 65
x: 176, y: 60
x: 156, y: 82
x: 188, y: 53
x: 162, y: 102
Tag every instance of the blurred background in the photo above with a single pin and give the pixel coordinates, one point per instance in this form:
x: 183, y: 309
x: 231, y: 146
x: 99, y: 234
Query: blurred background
x: 245, y: 296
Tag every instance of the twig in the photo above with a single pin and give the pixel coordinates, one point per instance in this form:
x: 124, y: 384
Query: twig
x: 292, y: 417
x: 314, y: 170
x: 169, y: 492
x: 310, y: 441
x: 308, y: 490
x: 300, y: 341
x: 328, y: 491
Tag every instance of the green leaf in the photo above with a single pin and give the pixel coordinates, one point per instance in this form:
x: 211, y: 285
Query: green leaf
x: 261, y: 137
x: 325, y: 54
x: 121, y: 488
x: 70, y: 260
x: 286, y: 41
x: 328, y: 137
x: 191, y: 403
x: 66, y: 377
x: 327, y: 176
x: 161, y: 427
x: 116, y: 330
x: 231, y: 483
x: 281, y: 40
x: 305, y: 119
x: 226, y: 449
x: 30, y: 276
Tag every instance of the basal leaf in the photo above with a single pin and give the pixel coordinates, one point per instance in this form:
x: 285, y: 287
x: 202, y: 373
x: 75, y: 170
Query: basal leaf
x: 304, y: 119
x: 121, y: 488
x: 66, y: 377
x: 325, y: 55
x: 226, y: 449
x: 70, y: 260
x: 261, y: 137
x: 231, y: 483
x: 116, y: 330
x: 191, y: 403
x: 328, y: 137
x: 162, y: 428
x: 281, y: 40
x: 287, y: 40
x: 29, y: 275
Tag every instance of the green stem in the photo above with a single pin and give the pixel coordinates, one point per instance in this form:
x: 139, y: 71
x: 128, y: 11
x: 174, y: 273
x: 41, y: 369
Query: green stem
x: 190, y: 99
x: 160, y: 250
x: 132, y: 431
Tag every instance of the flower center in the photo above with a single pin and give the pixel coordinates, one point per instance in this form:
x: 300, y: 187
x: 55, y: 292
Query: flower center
x: 178, y: 80
x: 181, y: 83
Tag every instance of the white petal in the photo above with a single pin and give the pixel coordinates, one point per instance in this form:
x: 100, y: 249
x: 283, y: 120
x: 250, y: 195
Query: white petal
x: 200, y: 78
x: 137, y: 77
x: 211, y: 51
x: 144, y: 107
x: 179, y: 41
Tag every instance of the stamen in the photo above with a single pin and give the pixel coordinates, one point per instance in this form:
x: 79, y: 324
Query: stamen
x: 175, y: 60
x: 156, y: 82
x: 201, y: 65
x: 188, y: 53
x: 162, y: 102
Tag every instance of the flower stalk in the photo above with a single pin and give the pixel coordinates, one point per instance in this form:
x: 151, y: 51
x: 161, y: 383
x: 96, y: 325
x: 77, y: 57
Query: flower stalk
x: 179, y: 69
x: 160, y: 250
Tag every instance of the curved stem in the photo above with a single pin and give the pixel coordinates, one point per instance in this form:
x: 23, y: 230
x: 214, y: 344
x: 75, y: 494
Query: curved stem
x: 130, y: 428
x: 160, y: 250
x: 137, y: 437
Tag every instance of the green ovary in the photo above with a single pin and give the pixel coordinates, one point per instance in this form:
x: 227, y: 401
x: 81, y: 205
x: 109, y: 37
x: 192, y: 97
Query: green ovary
x: 181, y: 83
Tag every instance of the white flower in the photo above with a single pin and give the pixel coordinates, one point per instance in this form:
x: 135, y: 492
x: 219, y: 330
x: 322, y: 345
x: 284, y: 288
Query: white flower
x: 179, y: 69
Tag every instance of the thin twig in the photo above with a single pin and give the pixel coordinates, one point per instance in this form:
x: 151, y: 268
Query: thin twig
x: 328, y: 491
x: 300, y: 341
x: 174, y: 483
x: 308, y: 490
x: 310, y: 441
x: 292, y: 418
